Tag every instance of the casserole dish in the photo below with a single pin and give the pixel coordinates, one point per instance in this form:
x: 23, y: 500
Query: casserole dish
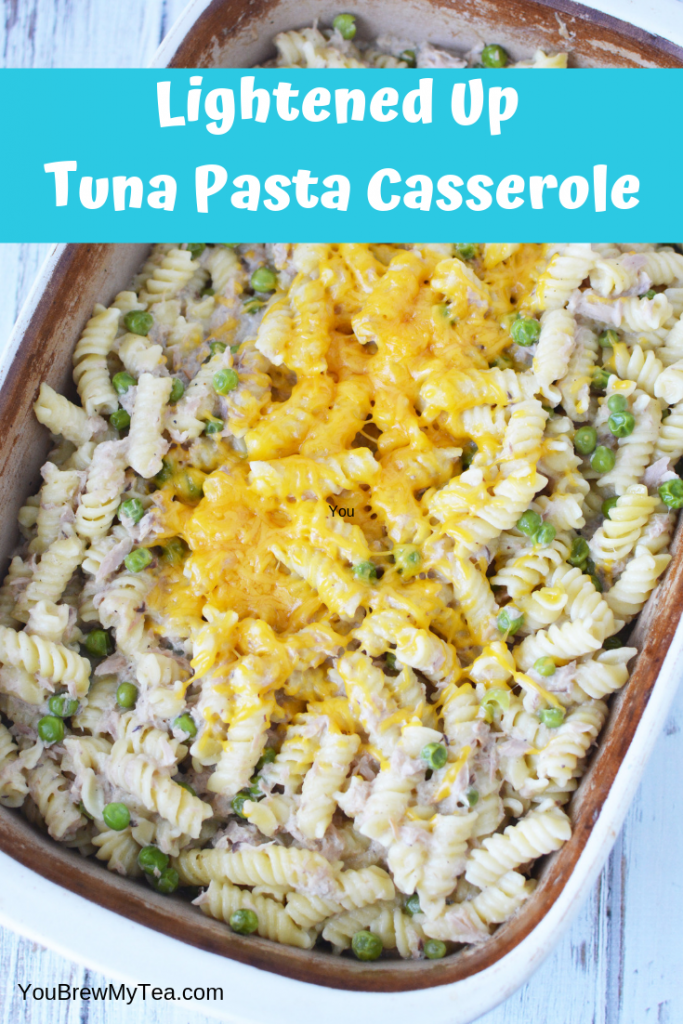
x: 80, y: 276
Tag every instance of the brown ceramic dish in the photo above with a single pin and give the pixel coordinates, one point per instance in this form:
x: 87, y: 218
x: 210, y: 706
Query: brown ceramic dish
x: 230, y: 33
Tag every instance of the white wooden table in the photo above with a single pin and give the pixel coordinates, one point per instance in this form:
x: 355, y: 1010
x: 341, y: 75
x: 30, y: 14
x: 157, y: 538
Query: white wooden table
x: 621, y: 962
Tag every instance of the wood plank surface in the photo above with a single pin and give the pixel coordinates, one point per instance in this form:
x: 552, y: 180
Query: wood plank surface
x: 620, y: 962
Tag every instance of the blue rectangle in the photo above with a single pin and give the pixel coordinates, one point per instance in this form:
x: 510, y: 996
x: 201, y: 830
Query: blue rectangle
x: 572, y: 161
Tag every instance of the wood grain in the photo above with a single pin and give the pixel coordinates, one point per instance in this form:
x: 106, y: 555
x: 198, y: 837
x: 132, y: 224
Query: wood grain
x: 619, y: 963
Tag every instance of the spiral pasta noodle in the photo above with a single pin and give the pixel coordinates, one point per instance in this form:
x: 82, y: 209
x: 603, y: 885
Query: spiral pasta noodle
x: 357, y: 889
x: 302, y: 870
x: 146, y: 444
x: 139, y: 776
x: 91, y: 374
x: 49, y: 791
x: 54, y: 662
x: 61, y: 416
x: 537, y: 833
x: 169, y: 277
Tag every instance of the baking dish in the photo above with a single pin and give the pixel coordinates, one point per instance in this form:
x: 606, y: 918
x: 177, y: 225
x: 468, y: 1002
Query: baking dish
x: 79, y: 276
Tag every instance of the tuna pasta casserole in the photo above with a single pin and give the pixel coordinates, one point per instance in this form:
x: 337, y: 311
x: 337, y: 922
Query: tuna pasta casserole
x: 331, y: 575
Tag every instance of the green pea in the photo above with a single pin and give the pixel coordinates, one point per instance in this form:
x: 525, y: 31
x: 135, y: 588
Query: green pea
x: 186, y: 724
x: 62, y: 706
x: 494, y: 56
x: 600, y: 379
x: 529, y: 523
x: 214, y: 426
x: 621, y: 423
x: 244, y: 922
x: 671, y: 493
x: 498, y: 696
x: 650, y: 294
x: 603, y: 459
x: 435, y: 949
x: 190, y: 485
x: 597, y: 583
x: 390, y: 661
x: 254, y: 788
x: 435, y: 755
x: 236, y: 348
x: 116, y: 816
x: 127, y: 695
x: 366, y: 946
x: 545, y: 666
x: 132, y: 509
x: 579, y: 553
x: 207, y: 291
x: 151, y: 859
x: 412, y: 905
x: 608, y: 505
x: 216, y: 347
x: 585, y: 440
x: 225, y: 381
x: 466, y: 250
x: 408, y: 57
x: 165, y: 473
x: 365, y: 571
x: 122, y: 381
x: 525, y: 331
x: 51, y: 729
x: 99, y: 643
x: 174, y: 551
x: 345, y: 25
x: 608, y: 339
x: 267, y: 757
x: 186, y: 785
x: 196, y: 248
x: 120, y: 419
x: 666, y: 413
x: 552, y: 717
x: 612, y: 643
x: 503, y: 362
x: 589, y: 566
x: 469, y: 451
x: 167, y: 882
x: 138, y: 322
x: 264, y: 280
x: 508, y: 622
x: 252, y: 306
x: 617, y: 403
x: 138, y: 559
x: 406, y: 557
x: 545, y: 535
x: 237, y: 803
x: 177, y: 391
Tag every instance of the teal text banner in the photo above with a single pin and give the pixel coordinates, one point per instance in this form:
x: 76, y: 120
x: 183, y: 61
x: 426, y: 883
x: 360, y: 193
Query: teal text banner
x: 140, y: 155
